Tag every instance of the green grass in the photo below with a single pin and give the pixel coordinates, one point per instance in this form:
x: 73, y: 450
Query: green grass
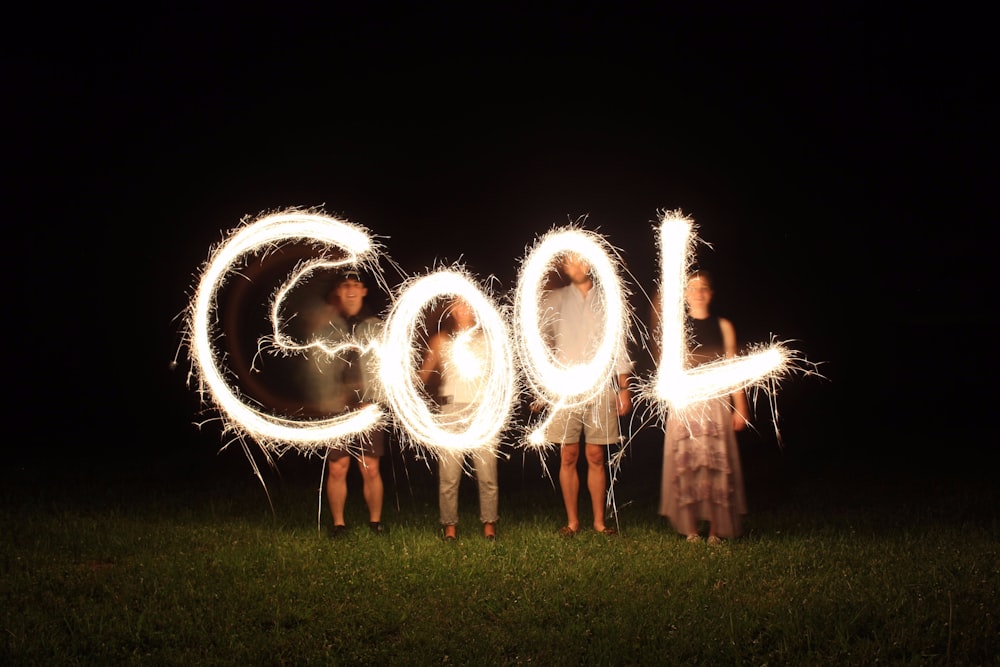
x: 892, y: 577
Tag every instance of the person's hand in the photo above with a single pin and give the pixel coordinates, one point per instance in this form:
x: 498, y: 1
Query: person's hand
x: 739, y: 421
x: 624, y: 401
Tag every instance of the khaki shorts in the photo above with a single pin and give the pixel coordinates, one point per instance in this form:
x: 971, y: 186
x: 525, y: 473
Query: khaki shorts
x: 373, y: 444
x: 595, y: 423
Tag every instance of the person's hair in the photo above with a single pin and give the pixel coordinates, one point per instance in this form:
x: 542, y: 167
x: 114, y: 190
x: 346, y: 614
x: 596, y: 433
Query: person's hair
x: 703, y: 274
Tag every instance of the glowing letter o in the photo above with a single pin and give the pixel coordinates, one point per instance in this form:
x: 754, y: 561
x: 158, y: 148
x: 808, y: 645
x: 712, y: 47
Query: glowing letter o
x: 482, y: 426
x: 559, y: 383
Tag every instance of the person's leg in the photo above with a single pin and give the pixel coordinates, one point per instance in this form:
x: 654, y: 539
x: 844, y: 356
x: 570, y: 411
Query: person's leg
x: 372, y: 477
x: 489, y: 492
x: 569, y: 481
x: 336, y: 487
x: 449, y: 478
x: 489, y: 489
x: 596, y: 482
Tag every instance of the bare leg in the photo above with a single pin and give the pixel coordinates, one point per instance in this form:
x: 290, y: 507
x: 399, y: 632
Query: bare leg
x: 373, y: 489
x: 569, y: 481
x: 596, y: 483
x: 336, y: 488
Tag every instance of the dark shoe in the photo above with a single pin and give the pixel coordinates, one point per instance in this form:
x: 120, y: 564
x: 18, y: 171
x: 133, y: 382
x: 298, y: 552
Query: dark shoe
x: 337, y: 532
x: 377, y: 528
x: 566, y: 531
x: 490, y: 531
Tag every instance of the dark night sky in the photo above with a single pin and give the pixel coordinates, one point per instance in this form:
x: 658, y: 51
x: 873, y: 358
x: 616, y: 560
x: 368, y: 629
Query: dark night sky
x: 838, y: 164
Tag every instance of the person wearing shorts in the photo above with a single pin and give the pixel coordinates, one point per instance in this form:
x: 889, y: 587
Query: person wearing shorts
x: 576, y: 314
x: 344, y: 383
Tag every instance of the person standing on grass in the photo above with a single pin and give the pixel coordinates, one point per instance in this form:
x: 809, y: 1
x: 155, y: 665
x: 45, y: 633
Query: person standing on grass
x: 344, y: 383
x: 459, y: 356
x: 702, y: 476
x: 575, y: 317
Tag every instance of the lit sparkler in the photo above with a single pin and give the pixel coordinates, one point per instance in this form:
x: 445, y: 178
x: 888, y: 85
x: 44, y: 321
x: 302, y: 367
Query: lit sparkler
x: 674, y: 387
x: 268, y: 232
x: 477, y: 427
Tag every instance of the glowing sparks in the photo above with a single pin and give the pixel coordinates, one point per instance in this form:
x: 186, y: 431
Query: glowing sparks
x: 270, y: 231
x: 674, y: 386
x: 564, y: 385
x: 558, y: 382
x: 467, y: 356
x: 479, y: 425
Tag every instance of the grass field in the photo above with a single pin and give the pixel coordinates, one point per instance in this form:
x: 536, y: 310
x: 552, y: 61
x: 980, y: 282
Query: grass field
x: 830, y: 572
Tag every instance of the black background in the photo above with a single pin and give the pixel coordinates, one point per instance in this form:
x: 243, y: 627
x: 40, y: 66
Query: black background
x: 841, y: 165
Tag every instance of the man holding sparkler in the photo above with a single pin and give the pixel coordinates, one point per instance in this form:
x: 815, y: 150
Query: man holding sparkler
x: 348, y: 382
x: 575, y: 319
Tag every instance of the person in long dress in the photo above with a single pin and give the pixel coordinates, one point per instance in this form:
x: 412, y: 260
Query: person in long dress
x: 702, y: 476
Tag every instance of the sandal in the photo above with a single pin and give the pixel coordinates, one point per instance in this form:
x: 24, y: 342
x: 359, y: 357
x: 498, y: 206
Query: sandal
x: 566, y: 531
x: 609, y: 531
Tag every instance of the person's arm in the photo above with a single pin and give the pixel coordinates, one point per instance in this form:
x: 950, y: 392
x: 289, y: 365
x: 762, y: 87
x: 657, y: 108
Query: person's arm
x: 741, y: 408
x: 624, y: 394
x: 432, y: 359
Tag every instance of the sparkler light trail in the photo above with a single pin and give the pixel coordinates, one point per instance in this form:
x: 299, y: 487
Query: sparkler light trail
x: 477, y: 427
x: 674, y: 387
x: 559, y: 384
x: 268, y: 232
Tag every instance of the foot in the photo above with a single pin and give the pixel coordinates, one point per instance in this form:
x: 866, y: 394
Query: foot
x: 714, y: 540
x: 450, y: 533
x: 694, y: 537
x: 490, y: 531
x: 377, y: 528
x: 566, y: 531
x: 608, y: 530
x: 337, y: 532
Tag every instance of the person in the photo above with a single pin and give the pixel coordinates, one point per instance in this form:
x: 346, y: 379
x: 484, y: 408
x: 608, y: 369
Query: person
x: 458, y: 356
x: 574, y: 314
x: 344, y: 383
x: 702, y: 477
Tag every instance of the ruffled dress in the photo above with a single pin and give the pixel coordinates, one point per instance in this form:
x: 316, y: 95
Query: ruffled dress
x: 702, y: 477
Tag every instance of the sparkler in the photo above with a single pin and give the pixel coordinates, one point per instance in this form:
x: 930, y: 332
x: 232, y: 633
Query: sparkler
x: 271, y: 431
x: 674, y: 387
x: 560, y: 384
x: 478, y: 426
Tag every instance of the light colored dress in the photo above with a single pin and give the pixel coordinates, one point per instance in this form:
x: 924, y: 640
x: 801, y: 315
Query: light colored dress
x: 702, y: 475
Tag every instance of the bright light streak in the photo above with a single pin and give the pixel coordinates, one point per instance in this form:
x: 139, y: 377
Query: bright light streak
x: 268, y: 232
x: 480, y: 425
x: 466, y: 357
x: 559, y: 384
x: 566, y: 385
x: 674, y: 387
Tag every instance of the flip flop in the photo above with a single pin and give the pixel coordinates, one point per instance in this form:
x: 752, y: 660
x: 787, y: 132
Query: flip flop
x: 566, y: 531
